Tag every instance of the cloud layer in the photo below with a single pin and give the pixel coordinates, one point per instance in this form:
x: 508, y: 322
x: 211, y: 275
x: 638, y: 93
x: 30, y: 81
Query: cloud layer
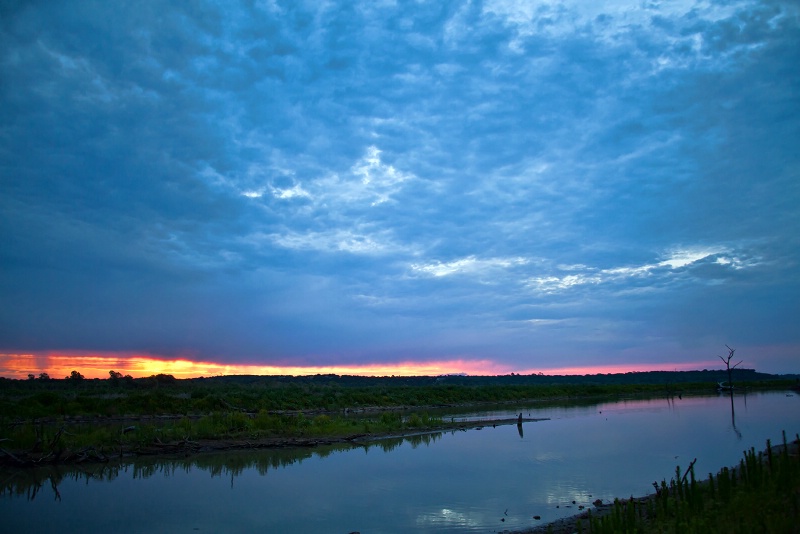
x: 541, y: 185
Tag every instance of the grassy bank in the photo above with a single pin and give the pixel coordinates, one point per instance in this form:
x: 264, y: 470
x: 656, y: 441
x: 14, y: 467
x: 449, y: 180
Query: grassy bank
x: 35, y: 443
x: 46, y: 420
x: 761, y: 494
x: 163, y: 394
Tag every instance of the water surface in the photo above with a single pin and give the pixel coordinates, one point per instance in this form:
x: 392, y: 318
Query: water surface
x: 486, y: 480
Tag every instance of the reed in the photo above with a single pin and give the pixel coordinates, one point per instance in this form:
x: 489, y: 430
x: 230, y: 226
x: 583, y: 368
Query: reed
x: 762, y: 494
x: 49, y: 442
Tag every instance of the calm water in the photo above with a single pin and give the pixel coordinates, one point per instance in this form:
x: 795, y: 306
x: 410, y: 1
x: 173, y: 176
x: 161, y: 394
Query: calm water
x: 486, y: 480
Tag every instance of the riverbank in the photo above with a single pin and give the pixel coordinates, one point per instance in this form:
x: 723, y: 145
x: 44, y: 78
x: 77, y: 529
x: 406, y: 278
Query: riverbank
x: 457, y: 480
x: 74, y: 421
x: 578, y: 522
x: 761, y: 494
x: 188, y: 447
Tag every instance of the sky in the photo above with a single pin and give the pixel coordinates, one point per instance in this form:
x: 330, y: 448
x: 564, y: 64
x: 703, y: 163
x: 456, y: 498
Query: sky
x: 399, y: 187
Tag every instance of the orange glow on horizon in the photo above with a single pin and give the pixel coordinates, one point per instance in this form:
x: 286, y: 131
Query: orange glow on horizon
x: 19, y: 366
x: 98, y: 366
x: 626, y: 368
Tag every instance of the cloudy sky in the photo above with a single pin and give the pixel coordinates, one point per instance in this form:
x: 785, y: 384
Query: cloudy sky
x: 478, y: 186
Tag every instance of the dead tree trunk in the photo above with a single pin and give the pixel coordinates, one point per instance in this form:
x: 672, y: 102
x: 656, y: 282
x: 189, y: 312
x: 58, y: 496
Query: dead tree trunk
x: 727, y: 362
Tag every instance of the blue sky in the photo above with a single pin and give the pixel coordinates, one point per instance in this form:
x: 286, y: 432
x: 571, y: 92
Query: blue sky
x: 532, y: 185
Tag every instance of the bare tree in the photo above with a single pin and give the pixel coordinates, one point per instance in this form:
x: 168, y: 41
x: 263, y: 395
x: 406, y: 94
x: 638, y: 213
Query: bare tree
x: 727, y: 362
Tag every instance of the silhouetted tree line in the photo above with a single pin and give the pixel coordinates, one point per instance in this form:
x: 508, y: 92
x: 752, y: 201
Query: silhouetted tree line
x: 632, y: 378
x: 665, y: 378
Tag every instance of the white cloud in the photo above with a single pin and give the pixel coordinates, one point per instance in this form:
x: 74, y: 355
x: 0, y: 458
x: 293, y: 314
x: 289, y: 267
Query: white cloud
x: 296, y: 191
x: 457, y: 29
x: 469, y: 265
x: 613, y: 23
x: 614, y: 17
x: 683, y: 257
x: 378, y: 180
x: 546, y: 323
x: 675, y: 260
x: 340, y: 202
x: 549, y: 284
x: 369, y: 182
x: 334, y: 240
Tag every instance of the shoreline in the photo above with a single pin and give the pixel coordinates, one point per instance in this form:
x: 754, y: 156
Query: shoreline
x: 569, y: 524
x: 187, y: 447
x: 51, y: 452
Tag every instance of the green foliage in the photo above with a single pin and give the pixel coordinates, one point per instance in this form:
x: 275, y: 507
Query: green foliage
x: 221, y: 424
x: 164, y: 394
x: 422, y: 421
x: 761, y: 495
x: 165, y: 409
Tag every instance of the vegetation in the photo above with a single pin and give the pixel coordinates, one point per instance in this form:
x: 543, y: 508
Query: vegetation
x: 46, y: 421
x: 51, y: 420
x: 761, y: 495
x: 120, y: 395
x: 47, y: 443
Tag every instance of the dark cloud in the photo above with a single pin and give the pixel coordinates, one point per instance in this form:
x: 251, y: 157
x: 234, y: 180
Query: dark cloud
x: 275, y: 183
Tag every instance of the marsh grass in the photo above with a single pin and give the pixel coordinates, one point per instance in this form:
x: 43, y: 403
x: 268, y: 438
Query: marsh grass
x: 35, y: 399
x: 55, y: 437
x: 761, y: 495
x: 43, y: 416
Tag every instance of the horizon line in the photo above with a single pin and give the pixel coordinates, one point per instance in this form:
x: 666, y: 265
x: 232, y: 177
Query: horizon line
x: 99, y: 365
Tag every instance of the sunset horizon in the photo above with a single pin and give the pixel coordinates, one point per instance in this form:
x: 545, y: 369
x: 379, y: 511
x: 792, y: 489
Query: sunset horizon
x: 91, y: 366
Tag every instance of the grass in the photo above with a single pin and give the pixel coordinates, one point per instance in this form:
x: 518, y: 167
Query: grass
x: 23, y: 399
x: 761, y: 495
x: 51, y: 442
x: 48, y: 417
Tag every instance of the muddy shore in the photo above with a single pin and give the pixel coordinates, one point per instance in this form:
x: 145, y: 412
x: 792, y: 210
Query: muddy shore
x: 569, y: 525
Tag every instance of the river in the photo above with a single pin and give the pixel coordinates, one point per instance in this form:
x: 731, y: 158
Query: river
x: 475, y: 481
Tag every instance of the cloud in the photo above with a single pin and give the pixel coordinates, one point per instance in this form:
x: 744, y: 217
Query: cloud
x: 288, y: 181
x: 469, y: 265
x: 340, y: 240
x: 718, y: 264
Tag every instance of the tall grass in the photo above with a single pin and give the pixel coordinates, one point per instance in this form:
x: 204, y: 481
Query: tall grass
x: 761, y: 495
x: 38, y: 440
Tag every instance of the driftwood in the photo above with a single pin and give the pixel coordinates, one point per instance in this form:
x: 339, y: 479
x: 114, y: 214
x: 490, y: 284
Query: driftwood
x: 86, y: 453
x: 52, y: 452
x: 12, y: 456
